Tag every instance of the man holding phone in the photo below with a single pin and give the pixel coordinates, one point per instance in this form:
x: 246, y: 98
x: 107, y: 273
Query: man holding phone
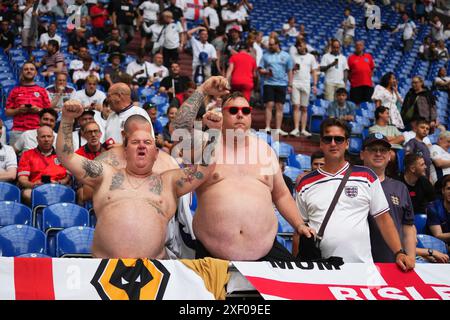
x: 335, y: 67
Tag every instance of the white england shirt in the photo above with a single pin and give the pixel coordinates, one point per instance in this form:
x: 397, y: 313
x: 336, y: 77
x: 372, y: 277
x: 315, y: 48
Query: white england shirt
x: 115, y: 122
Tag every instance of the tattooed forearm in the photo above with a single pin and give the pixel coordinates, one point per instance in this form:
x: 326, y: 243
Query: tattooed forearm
x: 190, y: 174
x: 67, y: 136
x: 117, y: 181
x: 156, y: 184
x: 93, y: 169
x: 210, y: 148
x: 188, y: 111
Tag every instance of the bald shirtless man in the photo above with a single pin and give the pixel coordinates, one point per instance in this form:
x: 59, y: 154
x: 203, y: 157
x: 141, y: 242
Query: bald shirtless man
x: 133, y: 205
x: 235, y: 219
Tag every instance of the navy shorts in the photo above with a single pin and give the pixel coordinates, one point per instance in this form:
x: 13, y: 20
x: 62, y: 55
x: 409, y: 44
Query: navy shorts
x: 275, y: 93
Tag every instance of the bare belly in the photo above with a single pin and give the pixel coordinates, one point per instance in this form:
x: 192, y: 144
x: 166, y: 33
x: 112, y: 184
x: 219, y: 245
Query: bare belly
x: 131, y: 230
x: 236, y: 223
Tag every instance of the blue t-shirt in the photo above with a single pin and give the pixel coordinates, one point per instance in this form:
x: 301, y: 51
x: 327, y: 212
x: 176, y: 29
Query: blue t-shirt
x: 157, y: 127
x: 438, y: 216
x: 337, y: 112
x: 280, y: 63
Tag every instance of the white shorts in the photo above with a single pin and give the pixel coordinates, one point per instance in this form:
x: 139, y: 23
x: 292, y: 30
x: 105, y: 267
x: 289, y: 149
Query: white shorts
x: 300, y: 94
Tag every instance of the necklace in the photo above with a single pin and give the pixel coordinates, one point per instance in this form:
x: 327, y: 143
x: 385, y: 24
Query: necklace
x: 129, y: 181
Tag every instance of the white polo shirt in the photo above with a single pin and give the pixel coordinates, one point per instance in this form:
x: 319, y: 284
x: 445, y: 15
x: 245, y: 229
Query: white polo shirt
x: 334, y: 74
x: 170, y: 38
x: 86, y: 100
x: 28, y: 141
x: 198, y: 47
x: 8, y: 158
x: 307, y: 63
x: 437, y: 153
x: 347, y: 232
x: 115, y: 122
x: 153, y: 68
x: 211, y: 14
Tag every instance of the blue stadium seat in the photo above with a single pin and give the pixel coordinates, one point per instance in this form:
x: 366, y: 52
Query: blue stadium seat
x: 264, y: 136
x: 355, y: 145
x: 282, y: 149
x: 74, y: 242
x: 193, y: 204
x: 292, y: 172
x: 34, y: 255
x: 47, y: 194
x: 314, y: 123
x: 426, y: 241
x: 9, y: 192
x: 12, y: 212
x: 420, y: 221
x: 19, y: 239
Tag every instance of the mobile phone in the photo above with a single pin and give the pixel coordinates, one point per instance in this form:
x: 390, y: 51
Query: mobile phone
x: 108, y: 143
x: 336, y: 63
x: 28, y: 105
x: 45, y: 179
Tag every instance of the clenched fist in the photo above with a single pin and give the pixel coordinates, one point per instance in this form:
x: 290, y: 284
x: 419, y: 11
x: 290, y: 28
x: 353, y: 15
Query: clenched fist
x: 213, y: 120
x: 216, y: 86
x: 72, y: 109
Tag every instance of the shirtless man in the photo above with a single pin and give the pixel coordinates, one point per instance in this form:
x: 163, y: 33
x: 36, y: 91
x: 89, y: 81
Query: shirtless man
x: 235, y: 219
x: 148, y: 200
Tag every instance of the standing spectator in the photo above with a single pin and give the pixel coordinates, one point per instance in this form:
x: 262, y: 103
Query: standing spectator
x: 60, y: 10
x: 99, y: 15
x: 155, y: 31
x: 114, y: 42
x: 122, y: 17
x: 233, y: 44
x: 361, y: 67
x: 305, y: 65
x: 77, y: 40
x: 53, y: 61
x: 437, y: 29
x: 6, y: 37
x: 409, y: 30
x: 375, y: 155
x: 289, y: 28
x: 232, y: 17
x: 425, y: 50
x: 8, y: 161
x: 24, y: 103
x: 49, y: 35
x: 276, y: 67
x: 317, y: 161
x: 114, y: 71
x: 172, y: 39
x: 341, y: 108
x: 80, y: 75
x: 438, y: 219
x: 119, y: 98
x: 90, y: 97
x: 289, y: 183
x: 211, y: 18
x: 417, y: 146
x: 258, y: 47
x: 347, y: 233
x: 348, y: 25
x: 59, y: 92
x: 447, y: 32
x: 412, y: 134
x: 29, y: 31
x: 28, y: 140
x: 177, y: 11
x: 152, y: 111
x: 418, y: 9
x: 78, y: 9
x: 386, y: 94
x: 157, y: 70
x: 441, y: 50
x: 420, y: 189
x: 148, y: 14
x: 241, y: 73
x: 39, y: 162
x: 219, y: 44
x: 440, y: 157
x: 204, y: 54
x: 419, y: 103
x: 335, y: 67
x: 175, y: 85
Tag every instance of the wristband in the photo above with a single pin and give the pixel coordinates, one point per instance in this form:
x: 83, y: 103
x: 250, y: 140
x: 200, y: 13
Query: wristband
x: 401, y: 251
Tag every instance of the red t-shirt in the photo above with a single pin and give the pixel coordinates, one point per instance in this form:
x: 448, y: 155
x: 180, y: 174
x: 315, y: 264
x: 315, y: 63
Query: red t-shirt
x: 99, y: 22
x: 361, y: 70
x: 34, y: 165
x: 34, y: 95
x: 244, y: 68
x: 85, y: 152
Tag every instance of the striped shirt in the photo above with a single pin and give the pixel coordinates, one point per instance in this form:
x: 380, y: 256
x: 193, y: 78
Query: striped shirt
x: 347, y: 233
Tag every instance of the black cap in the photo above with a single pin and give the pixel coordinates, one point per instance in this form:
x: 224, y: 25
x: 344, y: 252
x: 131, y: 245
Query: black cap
x: 376, y: 138
x: 88, y: 111
x: 148, y: 106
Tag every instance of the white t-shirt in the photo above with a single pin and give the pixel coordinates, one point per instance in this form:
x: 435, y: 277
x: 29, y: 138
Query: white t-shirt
x: 150, y: 10
x: 115, y: 122
x: 28, y: 141
x: 408, y: 29
x: 293, y: 49
x: 335, y: 74
x: 134, y: 67
x: 259, y: 52
x: 307, y: 64
x: 153, y: 68
x: 155, y: 30
x: 170, y: 38
x: 389, y: 100
x: 292, y: 32
x: 198, y: 47
x: 230, y: 15
x: 96, y: 98
x: 411, y: 135
x: 43, y: 40
x: 213, y: 17
x: 437, y: 153
x: 350, y: 31
x: 8, y: 158
x: 27, y: 18
x: 438, y: 33
x: 83, y: 74
x: 347, y: 233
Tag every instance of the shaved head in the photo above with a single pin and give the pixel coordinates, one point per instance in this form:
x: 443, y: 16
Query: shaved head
x: 120, y: 87
x: 44, y: 130
x: 134, y: 123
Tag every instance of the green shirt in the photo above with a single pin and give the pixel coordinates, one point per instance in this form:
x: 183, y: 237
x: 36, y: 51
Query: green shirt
x: 388, y: 131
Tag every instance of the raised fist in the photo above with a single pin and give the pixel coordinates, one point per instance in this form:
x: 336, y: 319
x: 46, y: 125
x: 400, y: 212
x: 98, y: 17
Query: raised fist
x: 72, y: 109
x: 216, y: 86
x: 213, y: 120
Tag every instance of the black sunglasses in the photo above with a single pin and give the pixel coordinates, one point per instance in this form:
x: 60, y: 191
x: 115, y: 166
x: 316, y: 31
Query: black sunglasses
x: 329, y: 139
x: 234, y: 110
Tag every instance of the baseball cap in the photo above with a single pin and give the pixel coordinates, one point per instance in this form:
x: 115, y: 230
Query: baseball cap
x: 376, y: 138
x: 88, y: 111
x: 236, y: 28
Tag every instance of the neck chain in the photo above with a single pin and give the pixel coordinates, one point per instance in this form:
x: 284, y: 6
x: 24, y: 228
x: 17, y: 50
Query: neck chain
x: 129, y: 180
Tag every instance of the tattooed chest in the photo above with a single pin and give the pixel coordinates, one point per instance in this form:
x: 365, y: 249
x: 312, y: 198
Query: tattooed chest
x: 152, y: 184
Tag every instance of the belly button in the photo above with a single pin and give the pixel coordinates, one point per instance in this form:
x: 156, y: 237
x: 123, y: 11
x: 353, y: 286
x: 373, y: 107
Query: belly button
x: 215, y: 176
x: 160, y: 201
x: 241, y: 232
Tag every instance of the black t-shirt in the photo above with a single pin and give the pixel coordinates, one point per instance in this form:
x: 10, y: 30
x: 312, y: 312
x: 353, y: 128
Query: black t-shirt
x: 176, y: 12
x: 121, y: 12
x: 6, y: 39
x: 181, y: 83
x: 77, y: 43
x: 421, y: 194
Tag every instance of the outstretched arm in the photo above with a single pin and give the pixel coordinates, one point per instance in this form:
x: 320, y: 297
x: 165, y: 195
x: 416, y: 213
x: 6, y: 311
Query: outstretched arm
x: 86, y: 171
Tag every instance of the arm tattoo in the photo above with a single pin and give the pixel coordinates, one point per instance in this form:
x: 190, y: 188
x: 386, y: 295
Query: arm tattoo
x: 156, y: 184
x: 190, y: 174
x: 67, y: 129
x: 188, y: 111
x: 110, y: 158
x: 117, y: 181
x: 94, y: 169
x: 209, y: 149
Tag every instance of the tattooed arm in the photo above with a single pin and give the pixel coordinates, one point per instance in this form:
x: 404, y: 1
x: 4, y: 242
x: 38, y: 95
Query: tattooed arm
x: 86, y: 171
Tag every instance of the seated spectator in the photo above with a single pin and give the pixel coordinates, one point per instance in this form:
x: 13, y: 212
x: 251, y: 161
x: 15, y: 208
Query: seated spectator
x: 419, y: 103
x: 426, y: 52
x: 241, y: 73
x: 440, y: 157
x: 40, y: 165
x: 447, y: 32
x: 8, y: 161
x: 289, y: 28
x: 317, y: 161
x: 412, y: 134
x: 420, y: 189
x: 442, y: 81
x: 168, y: 129
x: 80, y: 75
x: 386, y: 94
x: 77, y: 64
x: 100, y: 117
x: 59, y: 92
x: 77, y: 135
x: 340, y: 108
x: 90, y: 97
x: 114, y: 71
x: 289, y: 183
x: 139, y: 70
x: 60, y: 10
x: 6, y: 37
x: 114, y: 42
x: 24, y: 103
x: 152, y: 111
x: 417, y: 146
x: 438, y: 217
x: 442, y: 51
x: 77, y: 39
x: 49, y: 35
x: 175, y: 85
x: 53, y: 61
x: 437, y: 29
x: 392, y: 134
x: 157, y: 70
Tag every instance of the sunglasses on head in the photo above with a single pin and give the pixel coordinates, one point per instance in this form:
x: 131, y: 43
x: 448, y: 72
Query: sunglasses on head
x: 234, y: 110
x: 329, y: 139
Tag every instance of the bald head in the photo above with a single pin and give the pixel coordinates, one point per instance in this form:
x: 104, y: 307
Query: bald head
x: 134, y: 123
x: 119, y: 96
x: 45, y: 138
x: 44, y: 130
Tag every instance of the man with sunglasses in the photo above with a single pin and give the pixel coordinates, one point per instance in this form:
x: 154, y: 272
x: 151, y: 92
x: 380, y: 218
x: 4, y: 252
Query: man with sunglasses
x: 235, y: 219
x: 376, y: 156
x: 347, y: 232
